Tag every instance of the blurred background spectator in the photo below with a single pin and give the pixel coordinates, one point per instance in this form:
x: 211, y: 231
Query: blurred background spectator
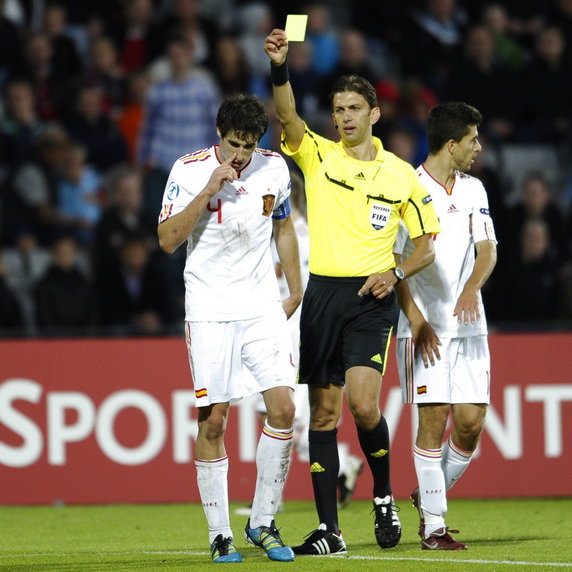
x: 78, y: 195
x: 180, y: 116
x: 131, y: 293
x: 65, y: 302
x: 100, y: 97
x: 11, y: 315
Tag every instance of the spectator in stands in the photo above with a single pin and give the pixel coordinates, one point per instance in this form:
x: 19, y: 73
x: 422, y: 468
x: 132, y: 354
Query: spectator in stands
x: 255, y: 19
x: 122, y: 217
x: 354, y: 58
x: 432, y: 41
x: 78, y: 195
x: 530, y: 280
x: 10, y: 46
x: 29, y: 193
x: 416, y: 103
x: 545, y: 91
x: 136, y: 35
x: 507, y: 48
x: 323, y: 37
x: 106, y: 72
x: 88, y: 124
x: 232, y: 71
x: 304, y: 80
x: 486, y: 82
x: 130, y: 116
x: 537, y: 201
x: 11, y: 316
x: 64, y: 297
x: 184, y: 20
x: 180, y: 114
x: 54, y: 24
x: 389, y: 100
x: 20, y: 125
x: 25, y: 263
x: 131, y: 293
x: 51, y: 84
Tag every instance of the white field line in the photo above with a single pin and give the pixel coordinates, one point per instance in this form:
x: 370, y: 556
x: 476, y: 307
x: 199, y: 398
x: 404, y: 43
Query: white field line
x: 349, y: 557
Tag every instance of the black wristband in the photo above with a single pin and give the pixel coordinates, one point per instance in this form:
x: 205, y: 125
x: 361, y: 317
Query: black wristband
x: 279, y: 74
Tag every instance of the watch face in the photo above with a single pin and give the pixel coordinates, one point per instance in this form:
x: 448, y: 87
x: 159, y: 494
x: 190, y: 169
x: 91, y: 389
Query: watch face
x: 399, y: 273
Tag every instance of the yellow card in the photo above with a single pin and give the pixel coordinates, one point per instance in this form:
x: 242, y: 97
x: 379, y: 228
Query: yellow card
x: 296, y: 27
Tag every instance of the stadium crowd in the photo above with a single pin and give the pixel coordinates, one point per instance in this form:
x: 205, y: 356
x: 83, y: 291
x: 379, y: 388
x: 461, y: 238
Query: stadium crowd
x: 98, y: 99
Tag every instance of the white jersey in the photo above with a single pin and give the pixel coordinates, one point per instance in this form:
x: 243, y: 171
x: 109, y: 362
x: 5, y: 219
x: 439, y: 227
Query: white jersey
x: 229, y: 274
x: 465, y: 220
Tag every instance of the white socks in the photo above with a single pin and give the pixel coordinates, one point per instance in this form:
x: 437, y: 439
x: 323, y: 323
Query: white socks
x: 272, y: 463
x: 432, y: 493
x: 212, y: 479
x: 437, y: 471
x: 454, y: 463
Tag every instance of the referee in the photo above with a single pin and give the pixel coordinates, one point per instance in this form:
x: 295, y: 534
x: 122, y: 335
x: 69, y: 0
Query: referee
x: 357, y: 196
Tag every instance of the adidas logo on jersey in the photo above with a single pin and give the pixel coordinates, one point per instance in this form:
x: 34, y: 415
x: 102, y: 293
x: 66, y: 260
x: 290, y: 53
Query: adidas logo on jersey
x: 241, y: 191
x: 360, y: 176
x: 316, y: 468
x: 452, y: 209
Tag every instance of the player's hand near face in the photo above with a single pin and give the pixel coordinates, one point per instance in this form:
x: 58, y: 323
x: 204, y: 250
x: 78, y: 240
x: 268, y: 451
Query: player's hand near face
x: 467, y: 307
x: 276, y: 46
x: 222, y: 174
x: 425, y: 342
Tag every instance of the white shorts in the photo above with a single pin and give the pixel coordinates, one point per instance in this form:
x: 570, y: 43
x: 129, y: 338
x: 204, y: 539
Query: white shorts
x: 232, y: 360
x: 462, y: 375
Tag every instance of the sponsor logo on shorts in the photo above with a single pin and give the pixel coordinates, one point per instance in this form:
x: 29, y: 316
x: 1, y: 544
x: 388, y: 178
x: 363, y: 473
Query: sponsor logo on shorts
x: 201, y: 392
x: 316, y: 468
x: 377, y: 358
x: 421, y: 389
x: 380, y: 453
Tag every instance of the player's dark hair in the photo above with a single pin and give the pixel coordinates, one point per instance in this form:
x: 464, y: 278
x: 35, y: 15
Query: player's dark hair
x: 357, y: 84
x: 243, y: 115
x: 450, y: 121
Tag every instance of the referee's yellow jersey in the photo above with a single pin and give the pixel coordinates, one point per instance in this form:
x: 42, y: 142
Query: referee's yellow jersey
x: 354, y: 207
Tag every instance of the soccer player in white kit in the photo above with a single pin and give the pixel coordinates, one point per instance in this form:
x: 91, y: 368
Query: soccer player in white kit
x: 442, y: 350
x: 226, y: 202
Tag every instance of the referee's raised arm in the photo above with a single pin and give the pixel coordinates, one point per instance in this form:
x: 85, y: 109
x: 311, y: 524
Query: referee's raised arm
x: 276, y: 47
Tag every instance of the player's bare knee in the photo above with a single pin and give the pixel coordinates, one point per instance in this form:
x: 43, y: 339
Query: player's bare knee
x: 323, y: 419
x: 282, y: 417
x: 366, y: 415
x: 212, y: 428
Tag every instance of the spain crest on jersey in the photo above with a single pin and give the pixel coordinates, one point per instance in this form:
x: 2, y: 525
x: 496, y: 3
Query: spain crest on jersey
x: 268, y: 204
x: 379, y: 216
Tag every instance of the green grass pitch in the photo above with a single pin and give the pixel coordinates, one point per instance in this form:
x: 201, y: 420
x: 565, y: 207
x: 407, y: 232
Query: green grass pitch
x: 503, y: 535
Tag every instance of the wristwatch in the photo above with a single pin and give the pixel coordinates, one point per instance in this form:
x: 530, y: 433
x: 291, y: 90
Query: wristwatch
x: 399, y: 274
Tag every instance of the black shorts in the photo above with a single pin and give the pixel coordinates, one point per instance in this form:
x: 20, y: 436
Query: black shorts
x: 340, y: 330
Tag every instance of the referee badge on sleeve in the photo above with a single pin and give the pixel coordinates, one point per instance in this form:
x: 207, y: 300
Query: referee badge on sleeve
x: 379, y: 216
